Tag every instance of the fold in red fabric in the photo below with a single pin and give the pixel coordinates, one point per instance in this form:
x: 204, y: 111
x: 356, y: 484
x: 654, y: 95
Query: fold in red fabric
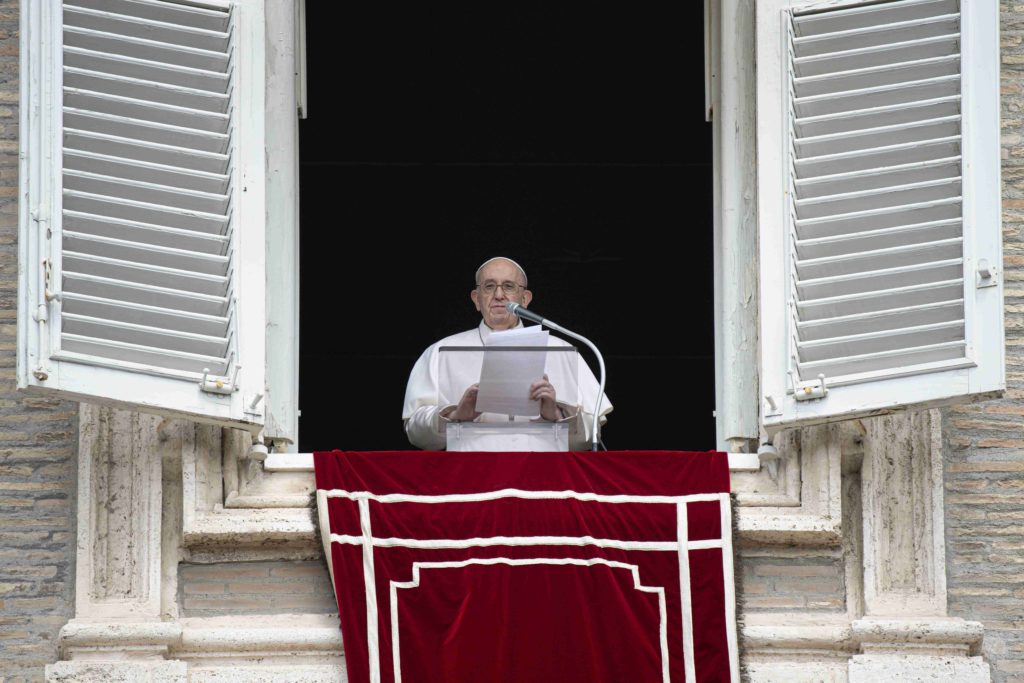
x: 564, y: 567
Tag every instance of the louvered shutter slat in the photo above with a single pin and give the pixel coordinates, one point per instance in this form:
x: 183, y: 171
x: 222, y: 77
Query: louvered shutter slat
x: 146, y: 70
x: 140, y: 148
x: 885, y: 197
x: 144, y: 212
x: 157, y: 10
x: 876, y: 55
x: 156, y: 235
x: 109, y: 103
x: 157, y: 174
x: 880, y: 137
x: 824, y: 247
x: 874, y: 158
x: 866, y: 119
x: 150, y: 193
x: 826, y: 308
x: 884, y: 362
x: 896, y: 169
x: 834, y: 348
x: 881, y: 218
x: 88, y: 349
x: 144, y: 335
x: 140, y: 48
x: 889, y: 95
x: 856, y: 181
x: 878, y: 280
x: 880, y: 259
x: 150, y: 91
x: 862, y: 16
x: 190, y: 144
x: 147, y: 254
x: 132, y: 271
x: 149, y: 295
x: 862, y: 323
x: 885, y: 74
x: 149, y: 316
x: 164, y: 32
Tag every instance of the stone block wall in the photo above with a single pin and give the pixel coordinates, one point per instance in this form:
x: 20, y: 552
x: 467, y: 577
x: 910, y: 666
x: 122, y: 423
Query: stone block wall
x: 37, y: 444
x: 984, y: 450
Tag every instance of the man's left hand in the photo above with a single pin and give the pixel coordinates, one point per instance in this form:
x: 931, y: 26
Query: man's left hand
x: 543, y: 391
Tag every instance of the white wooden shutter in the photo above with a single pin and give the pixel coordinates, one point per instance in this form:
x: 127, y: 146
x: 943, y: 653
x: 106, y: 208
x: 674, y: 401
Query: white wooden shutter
x: 142, y: 214
x: 879, y: 201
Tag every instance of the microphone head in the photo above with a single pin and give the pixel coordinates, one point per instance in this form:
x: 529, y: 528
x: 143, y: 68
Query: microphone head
x: 512, y: 307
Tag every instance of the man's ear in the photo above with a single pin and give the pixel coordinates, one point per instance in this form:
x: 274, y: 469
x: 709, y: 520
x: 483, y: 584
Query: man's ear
x: 475, y: 296
x: 527, y: 298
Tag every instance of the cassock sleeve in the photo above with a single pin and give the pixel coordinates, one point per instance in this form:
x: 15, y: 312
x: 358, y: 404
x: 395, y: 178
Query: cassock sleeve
x: 423, y: 422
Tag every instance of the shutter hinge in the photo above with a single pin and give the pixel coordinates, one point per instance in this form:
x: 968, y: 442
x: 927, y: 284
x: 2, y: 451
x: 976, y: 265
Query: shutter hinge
x: 811, y: 390
x: 987, y: 275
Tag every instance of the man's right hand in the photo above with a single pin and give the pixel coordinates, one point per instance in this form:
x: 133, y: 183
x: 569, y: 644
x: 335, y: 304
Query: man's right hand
x: 466, y: 410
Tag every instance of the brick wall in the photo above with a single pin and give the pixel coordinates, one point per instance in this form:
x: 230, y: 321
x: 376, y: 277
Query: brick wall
x: 207, y: 590
x: 809, y: 580
x: 985, y: 442
x: 37, y: 437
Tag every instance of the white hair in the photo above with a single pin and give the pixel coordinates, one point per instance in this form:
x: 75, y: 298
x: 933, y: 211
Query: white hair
x: 522, y: 272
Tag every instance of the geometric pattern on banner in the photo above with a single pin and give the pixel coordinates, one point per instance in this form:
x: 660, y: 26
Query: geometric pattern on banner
x: 563, y: 567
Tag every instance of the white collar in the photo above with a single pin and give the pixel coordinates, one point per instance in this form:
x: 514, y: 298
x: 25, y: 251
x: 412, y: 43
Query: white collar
x: 485, y: 331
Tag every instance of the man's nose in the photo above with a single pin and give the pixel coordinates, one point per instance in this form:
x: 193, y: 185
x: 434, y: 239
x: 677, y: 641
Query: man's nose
x: 499, y: 293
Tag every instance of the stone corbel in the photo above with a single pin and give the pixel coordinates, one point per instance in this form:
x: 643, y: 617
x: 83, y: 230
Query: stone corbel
x: 799, y: 501
x: 233, y: 510
x: 248, y: 485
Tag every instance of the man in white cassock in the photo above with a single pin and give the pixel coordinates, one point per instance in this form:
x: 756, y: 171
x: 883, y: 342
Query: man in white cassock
x: 499, y: 281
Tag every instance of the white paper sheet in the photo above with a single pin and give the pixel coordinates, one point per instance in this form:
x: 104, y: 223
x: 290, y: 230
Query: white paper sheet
x: 506, y: 376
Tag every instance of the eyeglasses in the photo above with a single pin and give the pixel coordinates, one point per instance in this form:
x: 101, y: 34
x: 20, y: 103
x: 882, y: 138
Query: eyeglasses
x: 510, y: 288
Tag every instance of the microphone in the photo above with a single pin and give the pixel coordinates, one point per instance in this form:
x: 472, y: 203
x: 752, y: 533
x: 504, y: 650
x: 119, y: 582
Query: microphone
x: 516, y: 309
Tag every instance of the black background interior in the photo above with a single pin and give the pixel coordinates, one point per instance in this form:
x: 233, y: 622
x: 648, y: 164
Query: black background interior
x: 571, y: 140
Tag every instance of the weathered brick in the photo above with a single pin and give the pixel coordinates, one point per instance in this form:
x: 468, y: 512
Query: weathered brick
x: 265, y: 588
x: 794, y: 570
x: 299, y: 570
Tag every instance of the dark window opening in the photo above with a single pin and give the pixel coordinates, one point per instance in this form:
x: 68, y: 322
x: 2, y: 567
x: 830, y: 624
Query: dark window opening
x: 573, y: 142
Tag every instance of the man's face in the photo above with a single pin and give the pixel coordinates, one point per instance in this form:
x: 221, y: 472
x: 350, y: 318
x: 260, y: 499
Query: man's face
x: 491, y: 304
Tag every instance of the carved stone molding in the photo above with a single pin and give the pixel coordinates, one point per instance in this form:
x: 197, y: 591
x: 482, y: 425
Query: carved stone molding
x: 800, y: 648
x: 119, y: 511
x: 233, y: 510
x: 904, y: 541
x: 800, y: 502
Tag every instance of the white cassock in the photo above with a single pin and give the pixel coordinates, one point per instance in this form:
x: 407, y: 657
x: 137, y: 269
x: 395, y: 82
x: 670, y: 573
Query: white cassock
x: 422, y: 413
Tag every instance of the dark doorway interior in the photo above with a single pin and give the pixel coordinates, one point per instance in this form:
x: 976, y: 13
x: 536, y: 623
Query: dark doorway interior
x: 571, y: 140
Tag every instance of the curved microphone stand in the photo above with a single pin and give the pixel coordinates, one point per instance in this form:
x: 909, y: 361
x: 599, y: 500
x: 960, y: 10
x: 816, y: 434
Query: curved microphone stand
x: 518, y: 310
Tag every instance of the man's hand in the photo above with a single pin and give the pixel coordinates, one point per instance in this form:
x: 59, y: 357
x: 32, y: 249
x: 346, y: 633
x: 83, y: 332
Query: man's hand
x: 466, y: 410
x: 542, y: 391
